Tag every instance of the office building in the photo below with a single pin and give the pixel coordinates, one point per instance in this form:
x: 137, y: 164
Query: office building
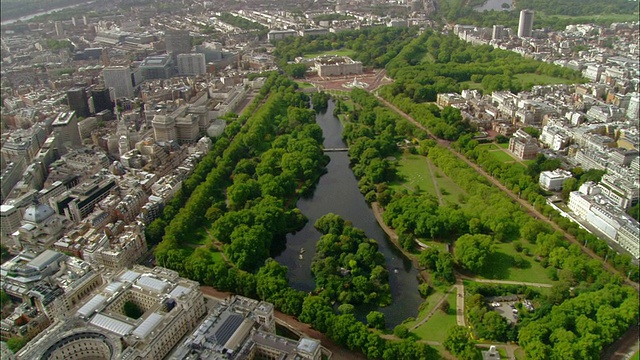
x: 177, y: 42
x: 78, y: 101
x: 10, y: 219
x: 243, y: 328
x: 525, y: 25
x: 65, y: 129
x: 101, y: 328
x: 101, y: 99
x: 191, y: 64
x: 118, y: 79
x: 164, y: 128
x: 156, y: 67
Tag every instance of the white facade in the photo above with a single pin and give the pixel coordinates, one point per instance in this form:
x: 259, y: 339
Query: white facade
x: 191, y: 64
x: 525, y: 25
x: 553, y: 180
x: 118, y: 78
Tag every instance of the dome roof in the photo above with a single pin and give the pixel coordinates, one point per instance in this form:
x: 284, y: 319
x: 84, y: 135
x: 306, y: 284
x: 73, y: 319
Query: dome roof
x: 38, y: 213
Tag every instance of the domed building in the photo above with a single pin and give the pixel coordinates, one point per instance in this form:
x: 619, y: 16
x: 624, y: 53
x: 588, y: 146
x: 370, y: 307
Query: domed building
x: 41, y: 227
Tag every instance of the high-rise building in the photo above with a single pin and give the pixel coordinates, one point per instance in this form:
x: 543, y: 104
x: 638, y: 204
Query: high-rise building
x: 177, y: 42
x: 118, y: 78
x: 525, y: 26
x: 156, y: 67
x: 191, y: 64
x: 497, y: 32
x: 10, y: 219
x: 78, y: 102
x: 101, y: 99
x: 65, y: 128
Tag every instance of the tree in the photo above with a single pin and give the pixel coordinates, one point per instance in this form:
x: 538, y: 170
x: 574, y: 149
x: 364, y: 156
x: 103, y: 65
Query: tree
x: 444, y: 306
x: 295, y: 70
x: 16, y: 343
x: 132, y: 310
x: 401, y: 331
x: 457, y: 339
x: 346, y: 309
x: 472, y: 251
x: 376, y: 320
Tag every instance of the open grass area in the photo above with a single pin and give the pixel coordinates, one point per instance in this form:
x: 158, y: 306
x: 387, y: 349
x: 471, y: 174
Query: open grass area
x: 428, y: 304
x: 304, y: 85
x: 413, y: 171
x: 537, y: 79
x: 216, y: 256
x: 199, y: 237
x: 502, y: 156
x: 500, y: 266
x: 339, y: 52
x: 519, y: 353
x: 472, y: 85
x: 449, y: 190
x: 436, y: 328
x: 504, y: 146
x: 609, y: 18
x: 435, y: 244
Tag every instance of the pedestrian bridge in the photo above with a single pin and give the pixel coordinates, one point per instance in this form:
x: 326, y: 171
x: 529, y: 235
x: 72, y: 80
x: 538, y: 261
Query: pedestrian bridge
x: 335, y: 149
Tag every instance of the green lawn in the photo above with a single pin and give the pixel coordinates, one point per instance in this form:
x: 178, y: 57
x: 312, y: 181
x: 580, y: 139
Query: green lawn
x: 339, y: 52
x: 540, y: 79
x: 504, y: 146
x: 428, y: 304
x: 500, y: 266
x: 449, y: 190
x: 472, y: 85
x: 216, y: 256
x: 435, y: 329
x: 611, y: 18
x: 434, y: 244
x: 413, y: 171
x: 304, y: 85
x: 199, y: 236
x: 502, y: 156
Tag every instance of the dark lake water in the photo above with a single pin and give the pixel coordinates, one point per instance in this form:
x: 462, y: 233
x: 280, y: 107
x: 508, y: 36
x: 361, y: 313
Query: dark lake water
x: 337, y: 192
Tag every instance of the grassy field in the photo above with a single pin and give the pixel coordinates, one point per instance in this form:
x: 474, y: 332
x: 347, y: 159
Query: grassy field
x: 436, y: 328
x: 504, y: 146
x: 449, y: 190
x: 472, y: 85
x: 304, y: 85
x: 199, y: 237
x: 540, y: 79
x: 496, y: 152
x: 413, y: 171
x: 216, y: 256
x: 500, y: 266
x: 339, y: 52
x: 428, y: 304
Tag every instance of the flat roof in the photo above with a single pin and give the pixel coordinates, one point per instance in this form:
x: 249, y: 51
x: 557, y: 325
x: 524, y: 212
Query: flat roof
x: 148, y: 325
x: 108, y: 323
x: 152, y: 284
x: 88, y: 308
x: 45, y: 259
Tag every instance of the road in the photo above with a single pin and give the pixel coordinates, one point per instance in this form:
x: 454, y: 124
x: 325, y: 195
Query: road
x: 530, y: 209
x: 339, y: 352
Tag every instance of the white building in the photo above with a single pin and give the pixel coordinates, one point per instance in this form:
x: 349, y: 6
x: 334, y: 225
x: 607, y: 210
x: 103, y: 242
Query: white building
x: 525, y: 25
x: 590, y: 205
x: 553, y: 180
x: 119, y: 79
x: 554, y: 137
x: 191, y: 64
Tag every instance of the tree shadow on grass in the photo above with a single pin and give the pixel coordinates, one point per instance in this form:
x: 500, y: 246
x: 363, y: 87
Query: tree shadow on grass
x: 497, y: 266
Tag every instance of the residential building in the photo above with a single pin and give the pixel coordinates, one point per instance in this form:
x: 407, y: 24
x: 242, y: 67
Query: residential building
x: 553, y: 180
x: 523, y: 146
x: 525, y: 25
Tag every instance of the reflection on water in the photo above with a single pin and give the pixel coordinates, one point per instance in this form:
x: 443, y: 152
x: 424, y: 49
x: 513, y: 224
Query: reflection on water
x: 337, y: 192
